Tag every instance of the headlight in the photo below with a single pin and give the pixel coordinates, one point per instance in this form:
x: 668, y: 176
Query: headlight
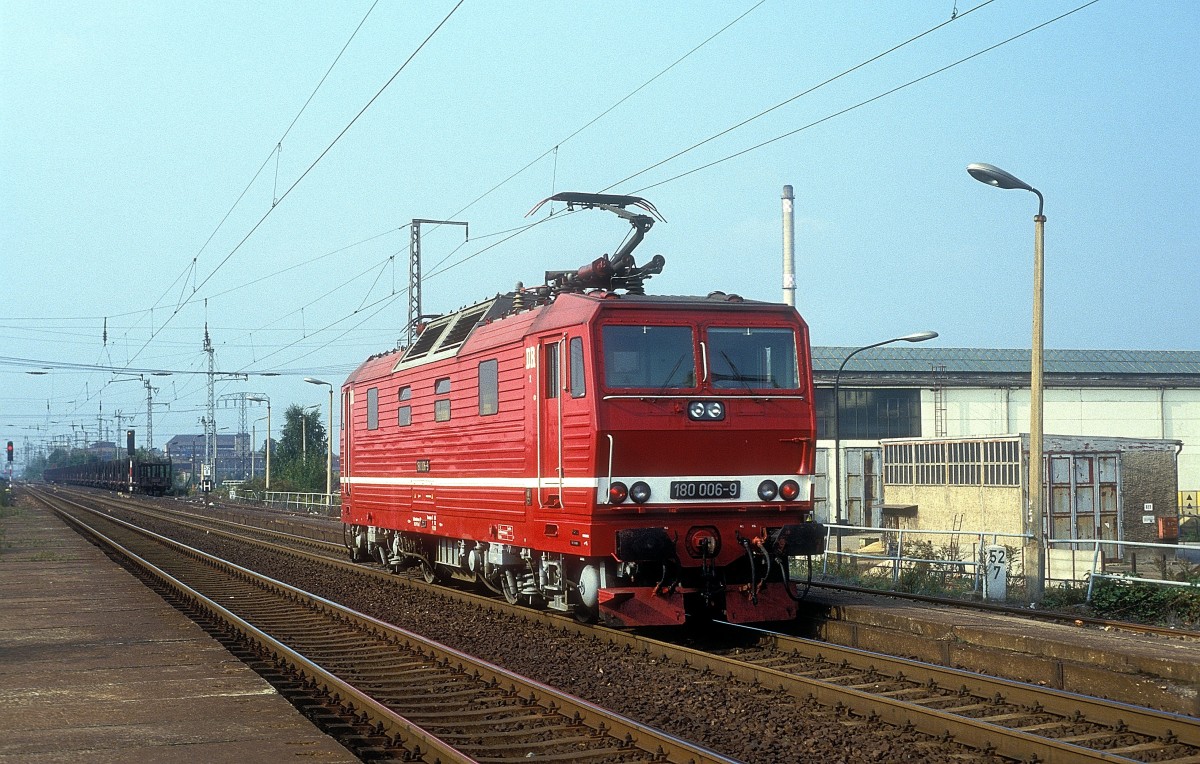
x: 639, y: 492
x: 706, y: 411
x: 767, y: 490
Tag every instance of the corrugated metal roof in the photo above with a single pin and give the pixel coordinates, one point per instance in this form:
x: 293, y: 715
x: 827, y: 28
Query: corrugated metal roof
x: 901, y: 359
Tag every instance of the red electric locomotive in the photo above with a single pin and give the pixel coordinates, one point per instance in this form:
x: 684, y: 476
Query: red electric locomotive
x: 587, y: 447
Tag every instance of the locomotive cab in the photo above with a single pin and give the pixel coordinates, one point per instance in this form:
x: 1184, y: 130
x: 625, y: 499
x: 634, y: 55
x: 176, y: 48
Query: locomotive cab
x: 706, y: 432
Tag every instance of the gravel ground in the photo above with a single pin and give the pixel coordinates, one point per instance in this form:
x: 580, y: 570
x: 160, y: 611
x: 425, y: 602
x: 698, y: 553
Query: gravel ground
x: 755, y: 725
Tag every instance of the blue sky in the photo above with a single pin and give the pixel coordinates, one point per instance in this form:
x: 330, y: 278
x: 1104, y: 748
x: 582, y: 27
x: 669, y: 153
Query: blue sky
x: 128, y: 131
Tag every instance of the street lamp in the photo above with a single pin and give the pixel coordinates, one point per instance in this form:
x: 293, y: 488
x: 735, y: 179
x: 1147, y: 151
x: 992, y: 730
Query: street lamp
x: 840, y: 514
x: 254, y: 443
x: 329, y: 450
x: 994, y: 176
x: 266, y: 400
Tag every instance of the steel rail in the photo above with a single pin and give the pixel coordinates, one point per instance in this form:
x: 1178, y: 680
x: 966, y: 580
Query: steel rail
x: 628, y: 736
x: 1121, y: 718
x: 206, y: 522
x: 405, y: 734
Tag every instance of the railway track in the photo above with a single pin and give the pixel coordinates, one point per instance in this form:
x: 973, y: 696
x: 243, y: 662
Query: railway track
x: 1012, y: 719
x: 387, y: 693
x: 314, y: 530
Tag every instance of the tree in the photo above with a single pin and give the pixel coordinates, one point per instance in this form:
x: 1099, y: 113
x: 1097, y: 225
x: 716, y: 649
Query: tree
x: 298, y: 461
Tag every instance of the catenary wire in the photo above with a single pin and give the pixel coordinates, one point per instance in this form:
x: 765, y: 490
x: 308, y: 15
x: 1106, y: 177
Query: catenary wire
x: 870, y: 100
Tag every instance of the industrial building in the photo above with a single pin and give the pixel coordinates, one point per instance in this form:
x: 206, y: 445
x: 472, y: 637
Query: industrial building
x: 900, y: 391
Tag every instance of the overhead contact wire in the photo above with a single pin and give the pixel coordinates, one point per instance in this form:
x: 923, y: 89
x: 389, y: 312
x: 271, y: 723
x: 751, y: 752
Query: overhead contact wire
x: 861, y: 103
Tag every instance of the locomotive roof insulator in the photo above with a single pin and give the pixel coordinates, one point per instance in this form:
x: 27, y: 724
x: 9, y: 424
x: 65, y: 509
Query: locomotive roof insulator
x: 618, y: 271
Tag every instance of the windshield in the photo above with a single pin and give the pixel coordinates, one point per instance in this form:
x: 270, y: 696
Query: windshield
x: 746, y: 358
x: 659, y: 357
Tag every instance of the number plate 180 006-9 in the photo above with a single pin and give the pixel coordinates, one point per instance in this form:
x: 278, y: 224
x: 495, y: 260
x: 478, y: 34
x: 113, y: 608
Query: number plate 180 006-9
x: 705, y: 489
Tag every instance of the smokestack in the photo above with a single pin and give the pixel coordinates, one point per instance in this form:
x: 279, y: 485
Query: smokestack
x: 789, y: 248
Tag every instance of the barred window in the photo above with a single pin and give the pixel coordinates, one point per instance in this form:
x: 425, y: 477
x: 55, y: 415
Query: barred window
x: 962, y: 462
x: 953, y: 462
x: 898, y: 463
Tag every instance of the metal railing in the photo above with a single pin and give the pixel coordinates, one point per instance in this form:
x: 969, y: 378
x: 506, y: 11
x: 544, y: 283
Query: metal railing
x: 884, y: 553
x: 962, y: 557
x: 313, y: 503
x: 1118, y: 561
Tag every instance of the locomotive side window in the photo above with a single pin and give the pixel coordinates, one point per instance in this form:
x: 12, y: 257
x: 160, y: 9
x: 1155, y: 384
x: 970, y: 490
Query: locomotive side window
x: 441, y: 407
x: 489, y: 387
x: 752, y: 358
x: 404, y: 412
x: 660, y: 357
x: 372, y: 408
x: 552, y: 376
x: 578, y: 382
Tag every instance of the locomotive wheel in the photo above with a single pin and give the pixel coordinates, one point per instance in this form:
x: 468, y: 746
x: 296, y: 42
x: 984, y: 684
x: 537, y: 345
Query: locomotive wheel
x: 428, y: 573
x: 585, y: 614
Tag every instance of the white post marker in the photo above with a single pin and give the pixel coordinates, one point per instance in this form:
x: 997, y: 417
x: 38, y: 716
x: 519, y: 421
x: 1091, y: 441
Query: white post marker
x: 995, y: 572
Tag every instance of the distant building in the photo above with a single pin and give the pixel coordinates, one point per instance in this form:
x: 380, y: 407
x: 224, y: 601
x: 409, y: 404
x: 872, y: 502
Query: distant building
x: 905, y: 391
x: 233, y: 459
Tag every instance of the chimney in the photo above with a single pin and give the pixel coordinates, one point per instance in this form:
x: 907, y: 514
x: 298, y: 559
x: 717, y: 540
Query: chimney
x: 789, y: 248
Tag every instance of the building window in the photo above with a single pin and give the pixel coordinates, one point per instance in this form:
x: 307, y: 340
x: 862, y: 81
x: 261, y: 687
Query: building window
x: 372, y: 408
x: 870, y: 413
x: 489, y: 387
x: 962, y: 462
x: 953, y: 462
x: 1001, y: 462
x: 930, y: 462
x: 442, y: 386
x: 578, y: 382
x: 898, y: 463
x: 404, y: 412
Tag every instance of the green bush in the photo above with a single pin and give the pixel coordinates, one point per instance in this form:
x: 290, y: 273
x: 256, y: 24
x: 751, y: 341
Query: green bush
x: 1147, y: 603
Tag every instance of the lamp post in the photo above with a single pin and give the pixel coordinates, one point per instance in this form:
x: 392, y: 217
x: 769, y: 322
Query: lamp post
x: 254, y: 443
x: 329, y: 449
x: 266, y: 400
x: 837, y: 416
x: 994, y: 176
